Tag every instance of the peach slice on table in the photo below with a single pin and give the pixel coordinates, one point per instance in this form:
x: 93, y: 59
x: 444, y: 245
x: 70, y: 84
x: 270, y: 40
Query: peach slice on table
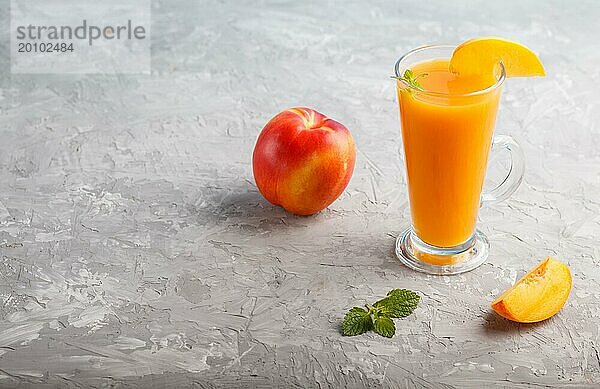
x: 538, y: 295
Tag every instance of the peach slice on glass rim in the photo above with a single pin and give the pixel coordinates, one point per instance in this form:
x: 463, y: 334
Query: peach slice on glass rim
x: 483, y: 55
x: 538, y: 295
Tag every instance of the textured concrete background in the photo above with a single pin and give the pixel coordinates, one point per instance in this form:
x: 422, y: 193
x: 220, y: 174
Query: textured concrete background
x: 136, y: 251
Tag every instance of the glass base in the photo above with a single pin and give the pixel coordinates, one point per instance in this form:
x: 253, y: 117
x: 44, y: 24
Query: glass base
x: 418, y: 255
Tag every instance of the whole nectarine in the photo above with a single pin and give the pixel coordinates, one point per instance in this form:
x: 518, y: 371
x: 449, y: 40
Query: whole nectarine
x: 303, y: 160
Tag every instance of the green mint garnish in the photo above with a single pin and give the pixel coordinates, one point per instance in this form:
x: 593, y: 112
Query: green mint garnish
x: 398, y: 303
x: 378, y: 317
x: 357, y: 321
x: 410, y: 78
x: 384, y: 326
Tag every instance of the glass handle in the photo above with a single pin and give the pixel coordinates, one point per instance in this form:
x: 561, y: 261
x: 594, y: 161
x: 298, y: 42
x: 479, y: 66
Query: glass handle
x: 515, y: 172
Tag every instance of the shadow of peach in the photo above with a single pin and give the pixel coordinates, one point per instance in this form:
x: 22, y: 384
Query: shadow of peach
x: 495, y: 323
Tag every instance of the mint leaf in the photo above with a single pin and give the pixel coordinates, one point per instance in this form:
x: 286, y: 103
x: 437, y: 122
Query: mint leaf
x: 384, y: 326
x: 410, y: 78
x: 357, y: 321
x: 377, y: 317
x: 398, y: 303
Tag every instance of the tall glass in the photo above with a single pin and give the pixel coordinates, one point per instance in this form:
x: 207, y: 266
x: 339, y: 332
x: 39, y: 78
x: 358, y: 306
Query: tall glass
x: 447, y: 139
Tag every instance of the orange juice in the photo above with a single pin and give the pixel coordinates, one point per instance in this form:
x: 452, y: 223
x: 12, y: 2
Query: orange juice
x: 447, y: 132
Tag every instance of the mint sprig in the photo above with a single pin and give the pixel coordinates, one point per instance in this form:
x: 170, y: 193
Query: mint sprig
x: 378, y: 317
x: 410, y: 78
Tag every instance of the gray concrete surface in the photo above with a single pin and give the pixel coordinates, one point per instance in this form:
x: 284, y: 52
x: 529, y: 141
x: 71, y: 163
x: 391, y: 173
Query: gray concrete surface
x: 135, y: 250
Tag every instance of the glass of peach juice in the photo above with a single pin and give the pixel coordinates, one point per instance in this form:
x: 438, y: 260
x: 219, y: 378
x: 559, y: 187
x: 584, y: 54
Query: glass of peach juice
x: 447, y: 133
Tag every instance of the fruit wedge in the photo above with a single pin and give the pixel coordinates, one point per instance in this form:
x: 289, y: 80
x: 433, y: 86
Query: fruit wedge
x: 538, y: 295
x: 483, y: 55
